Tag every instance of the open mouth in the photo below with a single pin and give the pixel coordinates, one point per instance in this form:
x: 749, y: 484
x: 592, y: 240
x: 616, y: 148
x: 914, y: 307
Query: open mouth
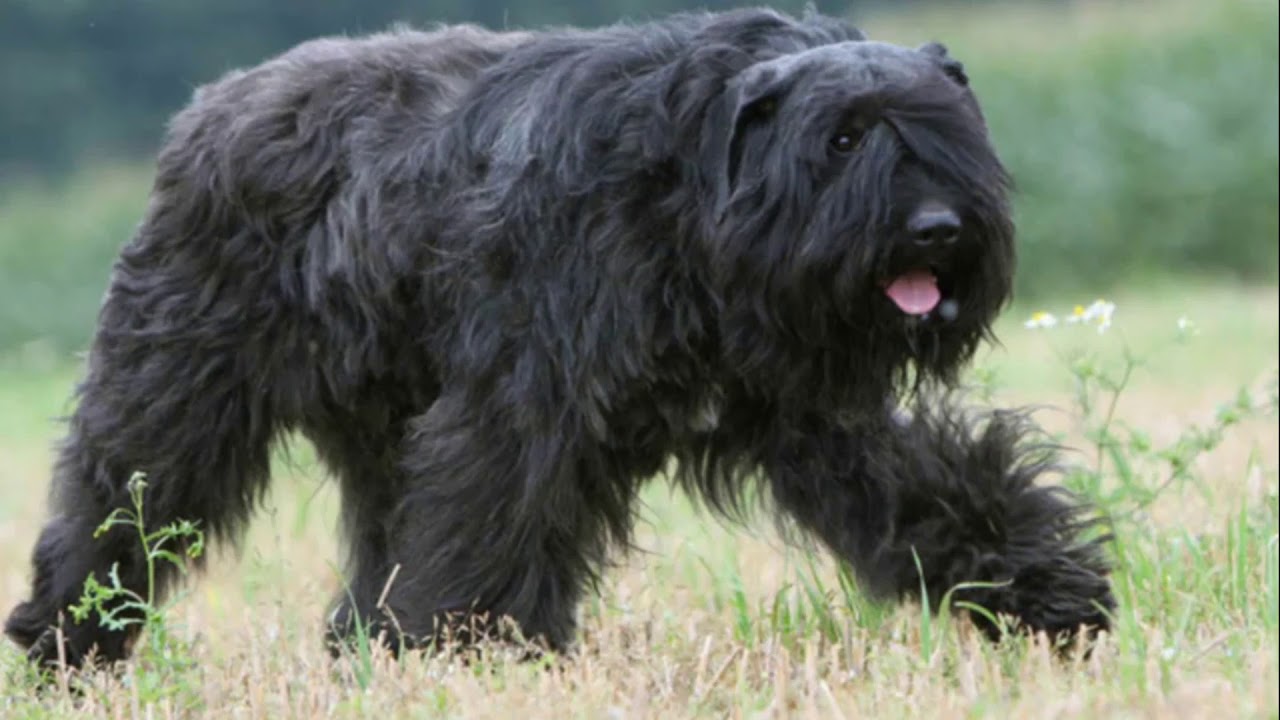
x: 923, y: 294
x: 915, y: 292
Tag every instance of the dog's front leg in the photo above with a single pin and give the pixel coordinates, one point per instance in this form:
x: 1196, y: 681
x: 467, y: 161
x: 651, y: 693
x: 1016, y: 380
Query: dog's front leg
x: 940, y: 499
x: 501, y: 522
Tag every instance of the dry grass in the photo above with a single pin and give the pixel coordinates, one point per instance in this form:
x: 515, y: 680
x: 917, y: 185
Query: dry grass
x: 711, y: 621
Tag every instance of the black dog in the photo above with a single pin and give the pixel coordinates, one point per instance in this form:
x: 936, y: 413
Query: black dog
x: 500, y: 279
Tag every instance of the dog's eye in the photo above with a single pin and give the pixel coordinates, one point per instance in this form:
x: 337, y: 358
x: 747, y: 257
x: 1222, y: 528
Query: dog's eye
x: 845, y: 142
x: 849, y: 133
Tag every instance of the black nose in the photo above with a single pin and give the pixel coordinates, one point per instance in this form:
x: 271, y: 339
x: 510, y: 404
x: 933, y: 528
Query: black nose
x: 933, y: 225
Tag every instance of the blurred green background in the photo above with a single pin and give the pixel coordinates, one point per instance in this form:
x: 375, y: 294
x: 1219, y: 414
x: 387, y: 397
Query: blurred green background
x: 1142, y: 135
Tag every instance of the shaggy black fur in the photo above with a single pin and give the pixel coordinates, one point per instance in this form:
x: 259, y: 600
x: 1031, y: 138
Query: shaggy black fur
x: 500, y: 279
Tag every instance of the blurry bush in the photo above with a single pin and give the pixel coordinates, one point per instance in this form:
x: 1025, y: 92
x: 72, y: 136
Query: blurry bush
x: 1142, y: 153
x: 57, y: 244
x: 1142, y: 149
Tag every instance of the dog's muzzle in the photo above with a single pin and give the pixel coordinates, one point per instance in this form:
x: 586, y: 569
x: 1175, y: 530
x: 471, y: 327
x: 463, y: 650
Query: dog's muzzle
x: 930, y: 234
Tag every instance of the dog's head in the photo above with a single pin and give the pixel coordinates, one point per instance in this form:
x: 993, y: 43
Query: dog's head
x: 853, y: 196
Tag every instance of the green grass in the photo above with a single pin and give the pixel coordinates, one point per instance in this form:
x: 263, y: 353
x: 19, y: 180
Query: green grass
x: 712, y: 620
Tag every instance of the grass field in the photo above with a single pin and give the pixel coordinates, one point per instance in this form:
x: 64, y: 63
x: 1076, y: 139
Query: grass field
x: 711, y: 621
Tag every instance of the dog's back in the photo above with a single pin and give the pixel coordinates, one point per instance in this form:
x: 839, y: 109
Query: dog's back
x: 285, y: 132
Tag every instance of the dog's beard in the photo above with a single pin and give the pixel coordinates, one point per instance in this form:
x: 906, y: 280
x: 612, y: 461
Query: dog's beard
x: 929, y: 317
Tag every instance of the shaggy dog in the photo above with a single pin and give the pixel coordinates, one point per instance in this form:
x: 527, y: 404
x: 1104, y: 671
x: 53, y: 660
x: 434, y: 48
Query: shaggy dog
x: 500, y: 279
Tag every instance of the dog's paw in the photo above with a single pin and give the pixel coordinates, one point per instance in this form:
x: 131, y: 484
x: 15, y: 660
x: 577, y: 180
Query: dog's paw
x: 974, y: 516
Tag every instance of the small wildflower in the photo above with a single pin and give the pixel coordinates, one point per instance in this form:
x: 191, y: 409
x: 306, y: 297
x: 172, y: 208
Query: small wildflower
x: 1186, y: 327
x: 1098, y: 313
x: 1041, y: 320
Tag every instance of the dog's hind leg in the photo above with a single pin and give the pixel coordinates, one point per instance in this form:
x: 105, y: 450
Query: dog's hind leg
x: 940, y: 499
x: 174, y: 390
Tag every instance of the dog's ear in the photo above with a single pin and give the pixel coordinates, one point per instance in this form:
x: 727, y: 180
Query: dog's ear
x: 750, y: 98
x: 952, y: 67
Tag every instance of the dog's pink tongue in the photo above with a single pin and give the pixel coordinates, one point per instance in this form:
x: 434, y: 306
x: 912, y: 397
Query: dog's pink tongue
x: 915, y: 293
